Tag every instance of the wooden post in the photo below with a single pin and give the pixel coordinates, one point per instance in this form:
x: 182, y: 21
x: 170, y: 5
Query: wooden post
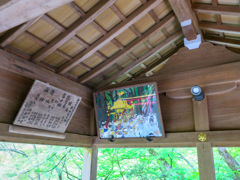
x: 201, y: 120
x: 205, y: 161
x: 89, y: 171
x: 204, y: 149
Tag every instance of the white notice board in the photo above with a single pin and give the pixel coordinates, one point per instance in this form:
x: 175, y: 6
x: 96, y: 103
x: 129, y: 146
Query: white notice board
x: 47, y: 107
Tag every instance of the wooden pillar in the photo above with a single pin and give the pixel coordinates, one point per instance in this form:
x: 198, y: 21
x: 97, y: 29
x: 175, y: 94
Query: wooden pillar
x: 89, y: 171
x: 205, y: 161
x: 204, y: 149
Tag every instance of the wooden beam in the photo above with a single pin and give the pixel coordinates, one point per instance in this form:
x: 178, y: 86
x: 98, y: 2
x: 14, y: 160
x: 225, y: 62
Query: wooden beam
x: 73, y: 29
x: 219, y: 27
x: 112, y: 60
x: 222, y: 10
x: 70, y: 140
x: 29, y: 70
x: 180, y: 139
x: 208, y: 76
x: 77, y: 9
x: 89, y: 171
x: 59, y: 52
x: 17, y: 12
x: 157, y: 63
x: 9, y: 36
x: 183, y: 11
x: 134, y: 17
x: 150, y: 53
x: 200, y: 111
x: 205, y: 161
x: 222, y: 41
x: 208, y: 91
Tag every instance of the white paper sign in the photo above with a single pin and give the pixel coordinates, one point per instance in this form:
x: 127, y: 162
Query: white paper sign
x: 48, y: 108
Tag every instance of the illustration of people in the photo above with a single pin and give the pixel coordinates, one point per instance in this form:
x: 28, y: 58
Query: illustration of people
x: 153, y: 129
x: 142, y: 127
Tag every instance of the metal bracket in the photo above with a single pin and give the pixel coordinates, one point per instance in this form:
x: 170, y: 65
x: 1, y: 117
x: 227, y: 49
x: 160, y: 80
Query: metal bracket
x: 193, y: 44
x: 148, y: 138
x: 110, y: 138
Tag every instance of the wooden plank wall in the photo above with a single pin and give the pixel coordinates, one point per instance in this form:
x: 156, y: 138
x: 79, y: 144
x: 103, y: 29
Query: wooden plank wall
x: 15, y: 87
x: 213, y: 68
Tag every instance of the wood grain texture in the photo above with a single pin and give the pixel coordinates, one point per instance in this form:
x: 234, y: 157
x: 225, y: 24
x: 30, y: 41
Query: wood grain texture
x: 134, y: 17
x: 73, y: 29
x: 32, y: 71
x: 200, y: 111
x: 205, y: 161
x: 14, y: 89
x: 222, y: 10
x: 90, y: 164
x: 70, y: 140
x: 14, y: 33
x: 17, y: 12
x: 183, y: 11
x: 154, y: 50
x: 109, y: 62
x: 225, y: 28
x: 186, y: 139
x: 177, y: 114
x: 205, y: 56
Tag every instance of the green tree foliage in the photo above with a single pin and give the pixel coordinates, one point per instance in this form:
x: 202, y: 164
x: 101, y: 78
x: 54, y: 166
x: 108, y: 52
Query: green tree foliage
x: 24, y: 161
x: 38, y: 162
x: 147, y: 164
x: 227, y: 162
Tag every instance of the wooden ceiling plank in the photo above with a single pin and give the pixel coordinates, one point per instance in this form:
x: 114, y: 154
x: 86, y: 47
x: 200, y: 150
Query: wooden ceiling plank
x: 76, y: 8
x: 112, y: 60
x: 17, y: 12
x: 165, y: 43
x: 73, y: 29
x: 98, y: 27
x: 222, y: 10
x: 122, y: 17
x: 53, y: 22
x: 134, y: 17
x: 8, y: 37
x: 219, y: 27
x: 58, y: 51
x: 35, y: 38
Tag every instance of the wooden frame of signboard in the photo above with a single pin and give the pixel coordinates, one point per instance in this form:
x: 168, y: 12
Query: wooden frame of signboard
x: 159, y: 120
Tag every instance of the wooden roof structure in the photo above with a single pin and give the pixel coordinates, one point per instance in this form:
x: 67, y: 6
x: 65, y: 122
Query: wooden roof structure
x: 86, y: 45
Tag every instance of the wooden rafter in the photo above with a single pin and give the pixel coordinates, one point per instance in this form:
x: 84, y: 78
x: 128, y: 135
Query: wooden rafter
x: 222, y: 41
x: 222, y: 10
x: 78, y: 10
x: 112, y: 60
x: 73, y: 29
x: 134, y: 17
x: 16, y: 12
x: 183, y: 11
x: 59, y: 52
x: 75, y: 38
x: 154, y: 50
x: 219, y: 27
x: 155, y: 64
x: 15, y: 32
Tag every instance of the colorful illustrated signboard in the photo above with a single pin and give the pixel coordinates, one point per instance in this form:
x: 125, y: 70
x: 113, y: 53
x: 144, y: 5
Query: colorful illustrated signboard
x: 129, y: 112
